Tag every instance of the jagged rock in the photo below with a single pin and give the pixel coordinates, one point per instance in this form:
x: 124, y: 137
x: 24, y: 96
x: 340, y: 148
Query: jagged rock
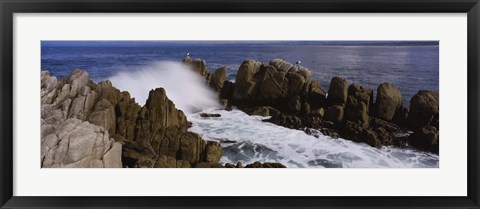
x: 273, y: 83
x: 199, y: 66
x: 338, y: 91
x: 316, y: 96
x: 358, y: 104
x: 80, y: 144
x: 424, y: 109
x: 265, y: 165
x: 425, y: 138
x: 166, y: 162
x: 191, y: 147
x: 218, y: 78
x: 227, y: 90
x: 296, y: 83
x: 245, y: 81
x: 213, y: 152
x: 295, y: 105
x: 103, y: 115
x: 154, y: 135
x: 389, y: 101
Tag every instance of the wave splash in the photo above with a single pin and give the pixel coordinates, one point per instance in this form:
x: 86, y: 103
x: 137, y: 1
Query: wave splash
x: 248, y: 139
x: 184, y: 87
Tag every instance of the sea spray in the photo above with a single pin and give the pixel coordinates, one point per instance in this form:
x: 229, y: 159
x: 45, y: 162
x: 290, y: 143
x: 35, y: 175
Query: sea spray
x: 184, y: 87
x: 248, y: 139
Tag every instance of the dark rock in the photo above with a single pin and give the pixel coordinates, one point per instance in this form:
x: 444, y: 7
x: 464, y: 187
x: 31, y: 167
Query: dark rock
x: 209, y: 165
x: 229, y: 165
x: 245, y: 82
x: 262, y: 111
x: 425, y: 138
x: 389, y: 101
x: 227, y: 90
x: 218, y: 78
x: 210, y: 115
x: 424, y: 109
x: 316, y: 96
x: 338, y: 91
x: 274, y: 84
x: 265, y: 165
x: 199, y: 66
x: 213, y: 152
x: 295, y: 105
x: 334, y: 114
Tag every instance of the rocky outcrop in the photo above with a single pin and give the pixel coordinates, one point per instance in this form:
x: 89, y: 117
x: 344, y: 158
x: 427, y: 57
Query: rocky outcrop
x: 425, y: 138
x: 77, y: 144
x: 96, y: 125
x: 217, y: 79
x: 279, y: 84
x: 389, y: 101
x: 72, y: 133
x: 424, y: 109
x: 423, y: 118
x: 288, y: 94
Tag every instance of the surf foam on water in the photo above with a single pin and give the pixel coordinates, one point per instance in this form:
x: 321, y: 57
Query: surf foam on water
x: 248, y: 139
x: 184, y: 87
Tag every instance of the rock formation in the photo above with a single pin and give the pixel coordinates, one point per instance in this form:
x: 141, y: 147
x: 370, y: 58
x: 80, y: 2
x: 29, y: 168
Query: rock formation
x: 288, y: 93
x: 95, y: 125
x: 72, y: 135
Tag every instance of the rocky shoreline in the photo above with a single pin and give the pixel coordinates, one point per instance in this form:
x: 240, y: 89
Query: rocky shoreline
x: 89, y: 125
x: 85, y: 125
x: 288, y: 93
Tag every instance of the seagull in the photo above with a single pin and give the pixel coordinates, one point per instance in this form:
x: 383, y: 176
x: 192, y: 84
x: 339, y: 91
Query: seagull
x: 298, y: 62
x: 188, y: 54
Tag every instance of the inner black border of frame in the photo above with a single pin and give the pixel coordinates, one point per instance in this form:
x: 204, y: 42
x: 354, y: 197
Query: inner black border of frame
x: 9, y: 7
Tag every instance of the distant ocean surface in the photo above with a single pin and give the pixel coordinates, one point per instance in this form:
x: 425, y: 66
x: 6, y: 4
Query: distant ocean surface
x: 411, y: 66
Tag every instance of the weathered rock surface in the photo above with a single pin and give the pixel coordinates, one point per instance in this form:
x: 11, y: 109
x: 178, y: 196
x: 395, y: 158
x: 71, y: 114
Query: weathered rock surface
x: 338, y: 91
x: 279, y: 84
x: 389, y: 101
x: 96, y: 125
x: 217, y: 79
x: 67, y: 139
x: 288, y: 94
x: 425, y: 138
x: 424, y: 109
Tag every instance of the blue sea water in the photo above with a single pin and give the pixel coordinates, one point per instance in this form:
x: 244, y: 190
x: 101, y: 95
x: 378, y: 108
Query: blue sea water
x: 411, y: 66
x: 139, y: 67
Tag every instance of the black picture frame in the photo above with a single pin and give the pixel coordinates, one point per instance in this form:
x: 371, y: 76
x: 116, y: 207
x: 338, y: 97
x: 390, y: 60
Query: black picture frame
x: 9, y: 7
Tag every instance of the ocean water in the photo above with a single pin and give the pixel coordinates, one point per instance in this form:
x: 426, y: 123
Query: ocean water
x: 411, y: 66
x: 138, y: 67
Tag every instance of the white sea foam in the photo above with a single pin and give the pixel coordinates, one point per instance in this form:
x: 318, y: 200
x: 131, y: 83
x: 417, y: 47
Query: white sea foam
x: 247, y: 139
x: 184, y: 87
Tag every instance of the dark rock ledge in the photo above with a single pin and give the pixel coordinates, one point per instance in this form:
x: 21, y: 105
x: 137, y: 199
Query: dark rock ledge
x: 288, y: 94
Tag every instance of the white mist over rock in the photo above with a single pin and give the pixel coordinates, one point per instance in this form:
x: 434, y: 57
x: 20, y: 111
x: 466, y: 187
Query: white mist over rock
x: 184, y: 87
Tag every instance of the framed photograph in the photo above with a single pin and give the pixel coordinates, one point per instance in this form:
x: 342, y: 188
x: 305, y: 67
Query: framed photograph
x: 239, y: 104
